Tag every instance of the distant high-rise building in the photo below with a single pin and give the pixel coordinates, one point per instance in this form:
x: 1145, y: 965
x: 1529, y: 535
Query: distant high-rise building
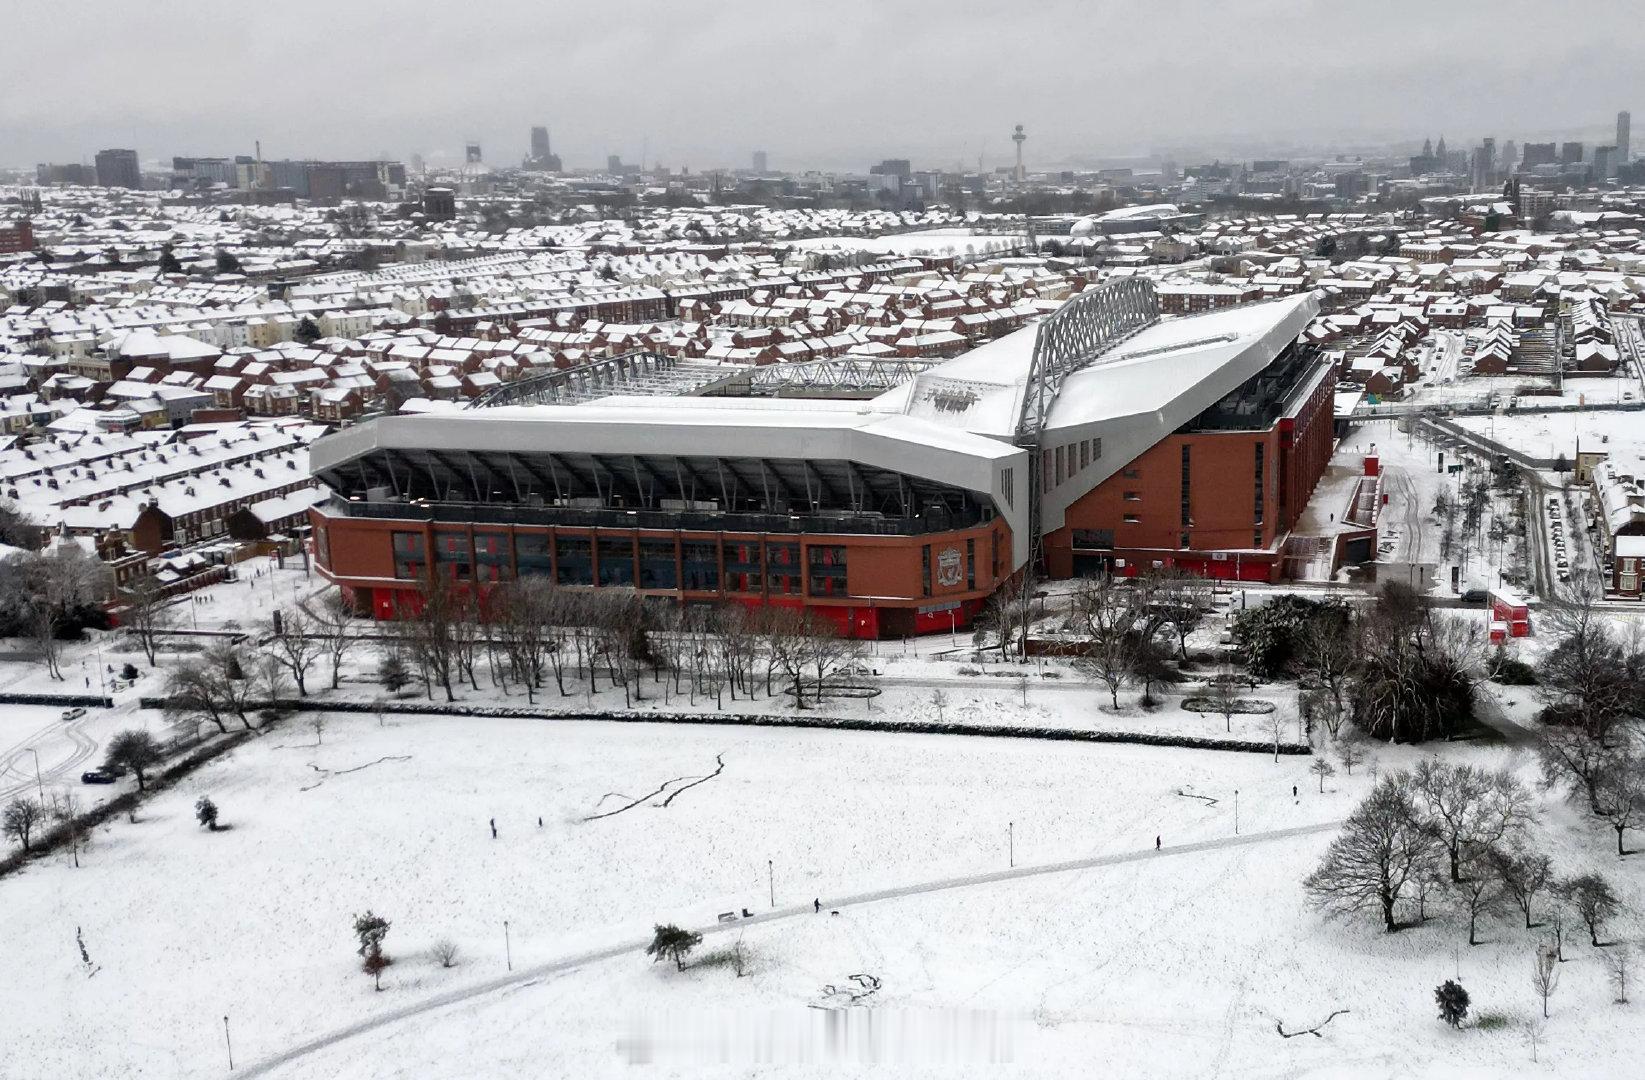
x: 613, y: 163
x: 1570, y: 153
x: 1019, y: 137
x: 1623, y: 121
x: 1539, y: 153
x: 759, y: 161
x: 118, y: 168
x: 1439, y: 151
x: 543, y: 158
x: 1484, y: 170
x: 1510, y: 158
x: 1604, y: 162
x: 1427, y: 148
x: 471, y: 153
x: 47, y: 174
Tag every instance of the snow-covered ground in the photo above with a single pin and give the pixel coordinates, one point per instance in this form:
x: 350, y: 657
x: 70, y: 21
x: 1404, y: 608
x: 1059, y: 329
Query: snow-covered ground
x: 954, y: 241
x: 1156, y: 964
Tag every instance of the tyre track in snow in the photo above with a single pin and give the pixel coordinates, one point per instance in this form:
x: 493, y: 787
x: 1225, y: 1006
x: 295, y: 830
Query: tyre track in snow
x: 594, y: 956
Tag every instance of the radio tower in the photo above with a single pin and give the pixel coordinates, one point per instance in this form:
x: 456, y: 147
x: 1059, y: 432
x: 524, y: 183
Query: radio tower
x: 1019, y: 137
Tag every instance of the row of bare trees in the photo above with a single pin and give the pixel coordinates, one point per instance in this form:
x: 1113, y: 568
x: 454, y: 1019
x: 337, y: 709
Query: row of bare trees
x: 1457, y: 833
x: 529, y: 632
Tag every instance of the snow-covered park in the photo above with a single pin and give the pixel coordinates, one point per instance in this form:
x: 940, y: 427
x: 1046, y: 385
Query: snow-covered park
x: 1157, y: 962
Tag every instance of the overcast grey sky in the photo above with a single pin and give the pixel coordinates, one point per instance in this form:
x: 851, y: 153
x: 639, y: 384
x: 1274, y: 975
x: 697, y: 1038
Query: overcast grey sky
x: 831, y: 85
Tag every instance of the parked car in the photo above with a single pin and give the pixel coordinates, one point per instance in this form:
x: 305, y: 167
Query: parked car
x: 104, y: 775
x: 1475, y: 596
x: 73, y: 714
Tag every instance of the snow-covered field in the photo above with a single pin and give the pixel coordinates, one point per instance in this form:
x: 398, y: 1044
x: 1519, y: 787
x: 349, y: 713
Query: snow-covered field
x: 1164, y: 965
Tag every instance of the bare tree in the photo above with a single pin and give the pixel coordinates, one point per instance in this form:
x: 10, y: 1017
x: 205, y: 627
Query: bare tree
x: 1328, y: 654
x: 1587, y: 676
x: 826, y: 651
x: 1183, y: 598
x: 430, y: 629
x: 1322, y: 769
x: 293, y: 645
x: 1618, y: 963
x: 65, y: 809
x: 1545, y: 976
x: 1350, y: 752
x: 1622, y: 795
x: 19, y: 821
x: 1477, y: 891
x: 939, y: 701
x: 1533, y: 1029
x: 1574, y: 758
x: 333, y: 625
x: 445, y: 951
x: 1108, y: 614
x: 147, y: 613
x: 1525, y: 873
x: 1223, y: 693
x: 1594, y: 902
x: 1383, y: 845
x: 1471, y: 807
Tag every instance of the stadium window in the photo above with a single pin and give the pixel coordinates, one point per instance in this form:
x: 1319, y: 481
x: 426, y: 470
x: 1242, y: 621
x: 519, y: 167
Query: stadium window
x: 700, y: 562
x: 409, y: 559
x: 1096, y: 449
x: 573, y: 560
x: 657, y: 568
x: 531, y: 554
x: 1059, y: 466
x: 827, y: 564
x: 1131, y: 472
x: 742, y: 566
x: 616, y: 560
x: 1133, y: 496
x: 925, y: 570
x: 452, y: 554
x: 1085, y: 452
x: 971, y: 563
x: 1182, y: 541
x: 491, y: 557
x: 1132, y: 519
x: 782, y: 569
x: 1187, y: 518
x: 1260, y: 485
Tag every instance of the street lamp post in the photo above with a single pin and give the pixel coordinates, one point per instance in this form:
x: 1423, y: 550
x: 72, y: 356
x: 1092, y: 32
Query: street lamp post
x: 1011, y: 841
x: 508, y: 946
x: 1236, y: 811
x: 39, y: 784
x: 771, y: 881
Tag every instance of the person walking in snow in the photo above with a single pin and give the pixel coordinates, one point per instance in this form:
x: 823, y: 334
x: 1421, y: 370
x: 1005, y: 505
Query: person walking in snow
x: 494, y: 828
x: 1156, y: 843
x: 816, y: 906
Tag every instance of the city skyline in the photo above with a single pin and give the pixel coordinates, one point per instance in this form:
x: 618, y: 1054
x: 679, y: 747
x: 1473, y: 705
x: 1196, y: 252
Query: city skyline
x: 1182, y: 76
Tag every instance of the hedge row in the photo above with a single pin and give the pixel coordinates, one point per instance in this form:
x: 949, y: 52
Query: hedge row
x: 57, y: 836
x: 844, y: 723
x: 87, y: 700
